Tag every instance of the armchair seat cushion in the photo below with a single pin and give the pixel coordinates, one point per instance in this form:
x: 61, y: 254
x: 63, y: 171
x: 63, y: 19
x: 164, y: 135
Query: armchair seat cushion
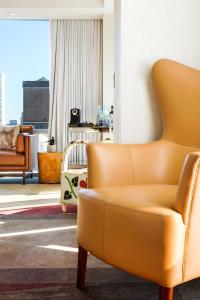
x: 11, y: 158
x: 142, y: 196
x: 134, y: 228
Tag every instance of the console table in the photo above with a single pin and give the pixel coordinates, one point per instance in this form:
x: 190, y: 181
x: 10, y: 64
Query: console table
x: 93, y: 133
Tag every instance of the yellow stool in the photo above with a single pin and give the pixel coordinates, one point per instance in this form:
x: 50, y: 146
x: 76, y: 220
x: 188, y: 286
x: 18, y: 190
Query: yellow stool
x: 49, y: 167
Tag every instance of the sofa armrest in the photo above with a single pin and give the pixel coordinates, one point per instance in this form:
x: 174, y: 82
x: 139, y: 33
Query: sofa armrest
x: 28, y: 159
x: 20, y: 145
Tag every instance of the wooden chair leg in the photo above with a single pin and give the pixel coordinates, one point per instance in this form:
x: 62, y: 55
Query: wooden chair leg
x: 82, y: 261
x: 24, y: 178
x: 166, y: 293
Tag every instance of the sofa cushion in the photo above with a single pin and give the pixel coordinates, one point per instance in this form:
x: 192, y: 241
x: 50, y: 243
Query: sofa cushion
x: 8, y: 136
x: 11, y: 158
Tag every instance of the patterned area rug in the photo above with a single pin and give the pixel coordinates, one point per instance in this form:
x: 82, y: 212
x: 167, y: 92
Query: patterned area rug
x: 38, y: 258
x: 101, y: 283
x: 40, y: 211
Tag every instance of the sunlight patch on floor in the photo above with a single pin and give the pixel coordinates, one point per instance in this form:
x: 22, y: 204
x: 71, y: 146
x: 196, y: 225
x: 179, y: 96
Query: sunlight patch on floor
x: 10, y: 193
x: 21, y: 197
x: 60, y: 248
x: 16, y: 209
x: 36, y: 231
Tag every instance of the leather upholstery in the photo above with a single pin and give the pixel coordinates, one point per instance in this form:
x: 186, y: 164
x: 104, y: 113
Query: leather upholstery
x: 11, y: 158
x: 141, y: 211
x: 129, y: 227
x: 26, y: 129
x: 19, y: 159
x: 178, y: 90
x: 163, y: 158
x: 188, y: 205
x: 20, y: 143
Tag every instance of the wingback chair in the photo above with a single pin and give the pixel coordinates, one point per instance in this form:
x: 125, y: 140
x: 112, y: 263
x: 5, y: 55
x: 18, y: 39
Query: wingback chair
x: 141, y: 212
x: 18, y: 160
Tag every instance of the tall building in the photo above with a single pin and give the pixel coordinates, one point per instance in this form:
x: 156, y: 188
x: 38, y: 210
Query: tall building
x: 2, y: 99
x: 36, y: 103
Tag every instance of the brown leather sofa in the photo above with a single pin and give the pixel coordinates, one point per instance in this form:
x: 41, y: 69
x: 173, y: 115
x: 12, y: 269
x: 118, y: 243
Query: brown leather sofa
x: 141, y: 212
x: 18, y: 160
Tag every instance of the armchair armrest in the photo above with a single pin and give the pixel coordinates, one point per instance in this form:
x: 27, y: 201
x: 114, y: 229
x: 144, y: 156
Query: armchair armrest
x: 188, y: 193
x: 188, y: 204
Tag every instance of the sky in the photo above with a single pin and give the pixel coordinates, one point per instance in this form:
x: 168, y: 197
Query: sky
x: 24, y: 55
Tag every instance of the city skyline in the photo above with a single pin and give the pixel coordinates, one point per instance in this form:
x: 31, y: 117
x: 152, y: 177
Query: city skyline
x: 24, y: 56
x: 36, y: 103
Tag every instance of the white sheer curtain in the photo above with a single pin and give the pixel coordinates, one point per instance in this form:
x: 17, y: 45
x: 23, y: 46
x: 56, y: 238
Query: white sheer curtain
x: 76, y: 73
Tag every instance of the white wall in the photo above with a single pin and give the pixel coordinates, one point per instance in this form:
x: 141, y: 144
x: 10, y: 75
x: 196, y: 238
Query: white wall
x: 145, y: 32
x: 118, y: 72
x: 108, y: 60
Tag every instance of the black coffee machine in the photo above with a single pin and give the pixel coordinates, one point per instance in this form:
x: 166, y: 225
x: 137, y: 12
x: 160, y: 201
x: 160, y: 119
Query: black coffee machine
x: 75, y: 116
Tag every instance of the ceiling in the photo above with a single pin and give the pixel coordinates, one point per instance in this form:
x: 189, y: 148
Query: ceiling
x: 55, y: 9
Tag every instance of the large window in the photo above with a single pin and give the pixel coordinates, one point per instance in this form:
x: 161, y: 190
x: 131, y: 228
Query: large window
x: 25, y: 67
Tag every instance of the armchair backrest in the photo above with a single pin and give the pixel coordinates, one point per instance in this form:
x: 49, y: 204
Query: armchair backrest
x: 177, y: 90
x: 178, y: 94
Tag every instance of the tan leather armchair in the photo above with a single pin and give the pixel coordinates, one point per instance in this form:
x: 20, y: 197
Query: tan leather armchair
x: 141, y: 212
x: 18, y: 160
